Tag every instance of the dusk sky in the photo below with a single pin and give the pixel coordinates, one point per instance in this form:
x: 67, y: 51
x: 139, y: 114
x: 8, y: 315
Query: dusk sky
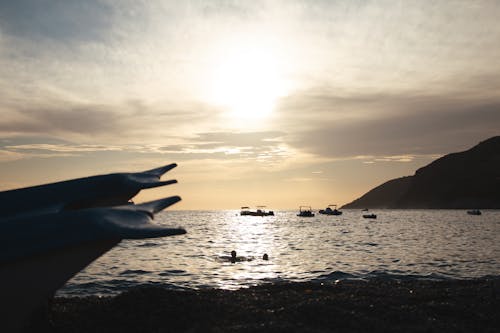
x: 277, y: 103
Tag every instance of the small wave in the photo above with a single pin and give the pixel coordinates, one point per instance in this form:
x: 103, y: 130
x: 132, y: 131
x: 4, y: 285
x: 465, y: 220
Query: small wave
x: 103, y: 287
x: 111, y: 287
x: 173, y: 272
x: 229, y: 258
x: 134, y: 272
x: 445, y: 265
x: 149, y: 244
x: 72, y: 289
x: 336, y: 275
x: 399, y: 275
x: 378, y: 274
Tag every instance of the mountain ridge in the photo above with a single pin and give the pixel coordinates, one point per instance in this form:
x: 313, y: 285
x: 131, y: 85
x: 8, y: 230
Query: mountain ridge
x: 460, y: 180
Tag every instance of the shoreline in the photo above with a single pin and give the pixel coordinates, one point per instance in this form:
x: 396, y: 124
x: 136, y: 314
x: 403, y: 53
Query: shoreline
x: 345, y: 306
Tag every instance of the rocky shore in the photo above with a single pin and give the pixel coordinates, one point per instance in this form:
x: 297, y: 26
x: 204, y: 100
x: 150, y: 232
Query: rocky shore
x: 341, y: 306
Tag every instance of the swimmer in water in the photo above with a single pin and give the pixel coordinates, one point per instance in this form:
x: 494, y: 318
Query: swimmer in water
x: 234, y: 259
x: 265, y: 257
x: 233, y: 256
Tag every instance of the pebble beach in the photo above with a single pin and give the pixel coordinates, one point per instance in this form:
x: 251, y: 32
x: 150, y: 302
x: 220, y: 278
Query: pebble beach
x: 339, y: 306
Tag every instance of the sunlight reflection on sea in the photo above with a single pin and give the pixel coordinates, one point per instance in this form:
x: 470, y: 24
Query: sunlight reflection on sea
x: 399, y: 243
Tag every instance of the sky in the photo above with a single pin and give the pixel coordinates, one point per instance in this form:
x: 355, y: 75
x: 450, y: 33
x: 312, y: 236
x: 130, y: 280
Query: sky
x: 277, y: 103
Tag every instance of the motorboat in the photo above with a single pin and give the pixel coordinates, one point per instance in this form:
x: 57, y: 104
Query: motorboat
x: 474, y: 212
x: 245, y: 211
x: 305, y: 211
x: 330, y: 210
x: 368, y: 216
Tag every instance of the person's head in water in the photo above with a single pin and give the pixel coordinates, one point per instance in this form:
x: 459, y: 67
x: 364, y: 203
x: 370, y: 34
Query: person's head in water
x: 265, y: 256
x: 233, y: 256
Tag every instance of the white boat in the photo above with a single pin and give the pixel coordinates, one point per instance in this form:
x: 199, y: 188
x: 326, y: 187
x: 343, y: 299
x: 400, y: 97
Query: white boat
x: 329, y: 211
x: 245, y: 211
x: 305, y: 211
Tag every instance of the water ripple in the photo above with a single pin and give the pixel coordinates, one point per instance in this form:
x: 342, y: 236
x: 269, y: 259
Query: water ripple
x: 400, y: 244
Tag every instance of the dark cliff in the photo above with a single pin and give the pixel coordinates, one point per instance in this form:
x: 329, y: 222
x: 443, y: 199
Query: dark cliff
x: 469, y: 179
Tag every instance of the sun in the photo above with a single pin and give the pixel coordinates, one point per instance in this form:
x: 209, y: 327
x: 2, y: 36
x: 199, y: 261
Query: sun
x: 247, y: 82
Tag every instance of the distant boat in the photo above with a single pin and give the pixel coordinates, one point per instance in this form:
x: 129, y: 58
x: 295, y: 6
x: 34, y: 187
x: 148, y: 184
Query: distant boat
x: 305, y: 211
x: 474, y: 212
x: 245, y: 211
x: 329, y: 211
x: 368, y: 216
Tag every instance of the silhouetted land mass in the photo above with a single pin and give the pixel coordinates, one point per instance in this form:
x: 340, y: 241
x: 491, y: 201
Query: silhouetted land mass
x: 469, y: 179
x: 345, y: 306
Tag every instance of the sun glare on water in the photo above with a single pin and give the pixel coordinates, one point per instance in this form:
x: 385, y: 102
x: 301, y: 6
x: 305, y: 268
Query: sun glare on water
x: 247, y: 83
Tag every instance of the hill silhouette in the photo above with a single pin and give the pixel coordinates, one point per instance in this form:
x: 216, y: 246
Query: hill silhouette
x: 468, y: 179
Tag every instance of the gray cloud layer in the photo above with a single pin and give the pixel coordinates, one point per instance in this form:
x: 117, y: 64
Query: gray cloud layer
x: 390, y: 124
x: 394, y: 78
x: 77, y: 119
x: 67, y: 21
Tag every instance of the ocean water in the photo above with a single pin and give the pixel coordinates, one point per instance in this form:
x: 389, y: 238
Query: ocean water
x: 403, y: 244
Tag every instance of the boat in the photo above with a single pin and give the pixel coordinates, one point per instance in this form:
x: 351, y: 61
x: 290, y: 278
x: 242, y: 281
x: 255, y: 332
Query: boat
x: 245, y: 211
x: 51, y: 232
x: 329, y: 211
x: 305, y: 211
x: 474, y: 212
x: 369, y: 216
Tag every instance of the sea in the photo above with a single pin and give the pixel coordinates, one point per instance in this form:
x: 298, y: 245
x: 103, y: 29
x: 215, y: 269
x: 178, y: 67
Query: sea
x: 398, y: 244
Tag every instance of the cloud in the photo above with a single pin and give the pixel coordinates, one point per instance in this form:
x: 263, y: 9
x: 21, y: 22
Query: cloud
x: 215, y: 141
x: 389, y: 124
x: 132, y: 122
x: 260, y: 146
x: 62, y: 148
x: 18, y: 148
x: 66, y: 21
x: 7, y: 156
x: 264, y: 147
x: 240, y: 139
x: 63, y: 119
x: 375, y: 78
